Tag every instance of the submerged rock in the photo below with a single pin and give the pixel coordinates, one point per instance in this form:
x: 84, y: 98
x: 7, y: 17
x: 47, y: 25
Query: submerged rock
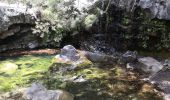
x: 38, y: 92
x: 8, y: 68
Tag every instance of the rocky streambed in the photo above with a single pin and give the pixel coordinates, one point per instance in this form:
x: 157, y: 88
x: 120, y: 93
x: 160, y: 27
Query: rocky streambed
x: 84, y: 75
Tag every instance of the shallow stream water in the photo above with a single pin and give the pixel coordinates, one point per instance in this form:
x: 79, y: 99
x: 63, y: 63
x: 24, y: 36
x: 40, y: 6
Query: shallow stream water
x: 103, y: 82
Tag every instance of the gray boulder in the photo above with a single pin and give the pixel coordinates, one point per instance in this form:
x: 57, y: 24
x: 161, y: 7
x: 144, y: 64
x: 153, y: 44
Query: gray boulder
x: 101, y: 58
x: 149, y: 65
x: 38, y: 92
x: 162, y: 80
x: 69, y: 52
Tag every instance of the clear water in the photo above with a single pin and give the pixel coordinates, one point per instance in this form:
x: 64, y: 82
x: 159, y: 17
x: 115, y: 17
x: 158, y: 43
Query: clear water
x: 103, y: 82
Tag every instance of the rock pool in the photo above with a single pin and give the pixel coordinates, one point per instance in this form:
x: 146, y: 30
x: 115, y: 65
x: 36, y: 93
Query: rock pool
x: 90, y: 81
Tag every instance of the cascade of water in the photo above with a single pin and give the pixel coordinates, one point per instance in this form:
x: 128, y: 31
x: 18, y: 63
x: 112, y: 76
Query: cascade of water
x: 102, y: 9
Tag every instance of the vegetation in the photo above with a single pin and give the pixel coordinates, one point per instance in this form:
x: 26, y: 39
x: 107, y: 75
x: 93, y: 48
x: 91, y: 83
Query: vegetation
x: 22, y: 71
x: 146, y: 32
x: 85, y: 79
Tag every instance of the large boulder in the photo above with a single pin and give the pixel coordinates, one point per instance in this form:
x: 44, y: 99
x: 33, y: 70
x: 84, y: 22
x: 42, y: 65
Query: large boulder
x: 38, y: 92
x: 149, y: 65
x: 69, y: 52
x: 69, y: 59
x: 100, y: 58
x: 8, y: 68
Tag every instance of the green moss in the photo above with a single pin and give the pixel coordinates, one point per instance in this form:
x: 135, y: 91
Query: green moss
x: 102, y: 82
x: 29, y: 68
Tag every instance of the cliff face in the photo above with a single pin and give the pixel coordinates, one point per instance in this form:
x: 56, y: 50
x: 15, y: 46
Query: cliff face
x: 132, y: 24
x: 102, y: 16
x: 16, y: 21
x: 11, y: 15
x: 157, y: 8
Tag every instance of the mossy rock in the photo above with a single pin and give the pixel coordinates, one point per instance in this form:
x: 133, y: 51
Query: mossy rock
x: 58, y: 62
x: 8, y: 68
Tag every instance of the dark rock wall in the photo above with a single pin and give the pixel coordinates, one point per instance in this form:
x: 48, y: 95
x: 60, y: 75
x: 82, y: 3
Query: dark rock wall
x: 132, y: 24
x: 15, y: 27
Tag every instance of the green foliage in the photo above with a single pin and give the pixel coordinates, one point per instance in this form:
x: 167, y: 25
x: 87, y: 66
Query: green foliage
x: 50, y: 34
x: 148, y: 33
x: 89, y: 20
x: 58, y: 18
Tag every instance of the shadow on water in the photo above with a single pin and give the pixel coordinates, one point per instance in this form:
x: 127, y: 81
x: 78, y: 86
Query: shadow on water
x: 157, y: 54
x: 105, y: 83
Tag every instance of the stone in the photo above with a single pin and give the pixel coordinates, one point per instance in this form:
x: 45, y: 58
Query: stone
x: 69, y: 52
x: 100, y: 58
x: 157, y: 8
x: 162, y: 80
x: 129, y: 56
x: 69, y: 59
x: 130, y: 66
x: 38, y: 92
x: 8, y: 68
x: 167, y: 63
x: 149, y: 65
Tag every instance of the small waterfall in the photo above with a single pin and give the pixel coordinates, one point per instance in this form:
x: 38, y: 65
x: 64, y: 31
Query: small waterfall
x: 102, y: 7
x: 101, y: 16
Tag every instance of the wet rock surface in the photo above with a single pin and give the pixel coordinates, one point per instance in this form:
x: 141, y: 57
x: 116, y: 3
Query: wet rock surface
x: 85, y: 79
x: 162, y: 80
x: 98, y: 80
x: 38, y: 92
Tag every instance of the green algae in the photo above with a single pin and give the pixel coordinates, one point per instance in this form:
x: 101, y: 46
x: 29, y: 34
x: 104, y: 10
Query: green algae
x: 103, y: 82
x: 29, y: 69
